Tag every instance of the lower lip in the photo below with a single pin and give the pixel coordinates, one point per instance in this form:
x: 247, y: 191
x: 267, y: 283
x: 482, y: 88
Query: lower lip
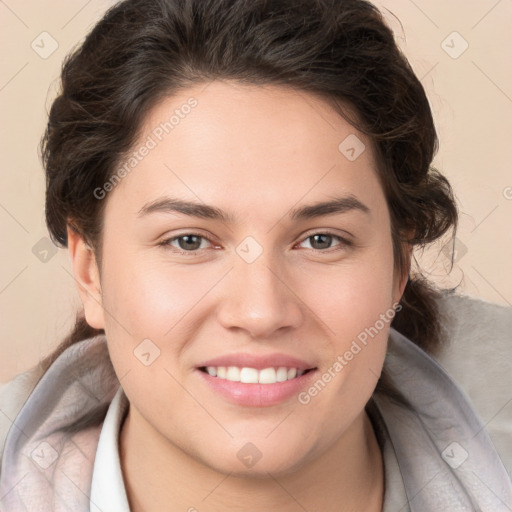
x: 258, y: 395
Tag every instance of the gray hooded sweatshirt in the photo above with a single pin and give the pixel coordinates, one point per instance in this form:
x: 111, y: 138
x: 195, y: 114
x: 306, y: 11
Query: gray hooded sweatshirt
x: 61, y: 451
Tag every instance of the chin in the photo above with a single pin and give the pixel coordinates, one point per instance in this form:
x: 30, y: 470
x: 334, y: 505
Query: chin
x: 257, y: 460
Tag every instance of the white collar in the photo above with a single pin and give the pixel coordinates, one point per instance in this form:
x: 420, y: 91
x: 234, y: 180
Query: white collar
x: 108, y: 492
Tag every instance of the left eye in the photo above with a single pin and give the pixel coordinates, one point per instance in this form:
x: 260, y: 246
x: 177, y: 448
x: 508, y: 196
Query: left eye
x: 323, y: 240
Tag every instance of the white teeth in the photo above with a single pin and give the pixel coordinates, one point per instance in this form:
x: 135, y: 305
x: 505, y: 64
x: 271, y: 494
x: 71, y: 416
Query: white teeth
x: 254, y: 376
x: 233, y: 374
x: 267, y: 376
x: 249, y: 375
x: 282, y: 374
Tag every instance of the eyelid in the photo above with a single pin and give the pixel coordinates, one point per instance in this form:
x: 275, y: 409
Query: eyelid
x: 346, y: 236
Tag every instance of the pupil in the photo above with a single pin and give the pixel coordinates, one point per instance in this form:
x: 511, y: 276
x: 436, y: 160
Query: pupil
x: 187, y: 239
x: 324, y: 239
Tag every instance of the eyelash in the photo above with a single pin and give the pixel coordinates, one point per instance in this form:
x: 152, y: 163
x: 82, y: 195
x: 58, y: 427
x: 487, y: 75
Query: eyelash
x: 167, y: 243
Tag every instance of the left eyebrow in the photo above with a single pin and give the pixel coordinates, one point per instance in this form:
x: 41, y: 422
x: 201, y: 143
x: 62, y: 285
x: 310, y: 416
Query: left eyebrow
x: 337, y: 205
x: 173, y: 205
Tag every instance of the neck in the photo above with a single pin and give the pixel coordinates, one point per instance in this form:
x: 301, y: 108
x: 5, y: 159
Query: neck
x: 160, y: 476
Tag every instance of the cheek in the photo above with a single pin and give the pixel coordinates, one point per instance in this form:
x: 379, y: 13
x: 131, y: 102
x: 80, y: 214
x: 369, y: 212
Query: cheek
x: 354, y: 304
x: 153, y: 308
x: 350, y: 296
x: 139, y: 309
x: 150, y: 298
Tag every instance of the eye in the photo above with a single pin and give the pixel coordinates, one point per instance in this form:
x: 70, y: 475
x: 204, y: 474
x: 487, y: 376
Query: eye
x: 188, y: 243
x: 322, y: 240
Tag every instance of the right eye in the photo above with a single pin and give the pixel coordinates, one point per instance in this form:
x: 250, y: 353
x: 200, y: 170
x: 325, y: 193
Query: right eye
x: 187, y: 243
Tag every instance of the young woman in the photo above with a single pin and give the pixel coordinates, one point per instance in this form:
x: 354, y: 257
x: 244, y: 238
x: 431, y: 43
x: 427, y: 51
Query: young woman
x: 240, y: 185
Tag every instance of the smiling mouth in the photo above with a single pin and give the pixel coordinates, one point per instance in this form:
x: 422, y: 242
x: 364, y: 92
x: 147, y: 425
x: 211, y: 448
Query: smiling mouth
x: 247, y: 375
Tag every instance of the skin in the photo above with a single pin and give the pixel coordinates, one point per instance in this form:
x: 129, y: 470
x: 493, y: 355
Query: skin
x: 255, y: 152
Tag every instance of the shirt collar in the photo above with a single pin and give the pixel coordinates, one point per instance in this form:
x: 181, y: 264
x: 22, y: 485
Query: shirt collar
x: 108, y: 491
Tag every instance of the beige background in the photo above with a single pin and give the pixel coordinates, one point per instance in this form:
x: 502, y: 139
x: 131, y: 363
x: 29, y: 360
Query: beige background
x: 470, y: 94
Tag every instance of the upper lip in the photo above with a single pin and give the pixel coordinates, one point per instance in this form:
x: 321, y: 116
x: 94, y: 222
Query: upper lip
x: 259, y: 362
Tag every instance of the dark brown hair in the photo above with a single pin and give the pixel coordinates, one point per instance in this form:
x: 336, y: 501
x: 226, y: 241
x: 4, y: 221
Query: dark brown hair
x: 145, y: 50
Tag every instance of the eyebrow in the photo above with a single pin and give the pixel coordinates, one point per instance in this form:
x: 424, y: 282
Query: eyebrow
x: 173, y: 205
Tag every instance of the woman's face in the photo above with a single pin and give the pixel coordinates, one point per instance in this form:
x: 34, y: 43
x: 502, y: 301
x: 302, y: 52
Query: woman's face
x: 280, y: 282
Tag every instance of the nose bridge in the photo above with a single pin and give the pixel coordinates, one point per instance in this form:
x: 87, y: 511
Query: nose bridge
x: 260, y: 300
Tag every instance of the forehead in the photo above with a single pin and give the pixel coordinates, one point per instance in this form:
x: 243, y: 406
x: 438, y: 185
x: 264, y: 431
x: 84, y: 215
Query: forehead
x: 236, y: 143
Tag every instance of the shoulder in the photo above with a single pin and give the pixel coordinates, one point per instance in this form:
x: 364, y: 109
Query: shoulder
x: 464, y: 315
x: 13, y: 395
x: 477, y: 354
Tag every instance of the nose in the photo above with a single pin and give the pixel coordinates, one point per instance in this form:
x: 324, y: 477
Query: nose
x: 259, y: 299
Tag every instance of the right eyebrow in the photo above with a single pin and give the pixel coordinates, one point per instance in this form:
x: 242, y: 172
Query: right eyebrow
x: 174, y: 205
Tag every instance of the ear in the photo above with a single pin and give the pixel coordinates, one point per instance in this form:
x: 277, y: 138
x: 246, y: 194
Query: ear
x: 87, y: 277
x: 407, y: 249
